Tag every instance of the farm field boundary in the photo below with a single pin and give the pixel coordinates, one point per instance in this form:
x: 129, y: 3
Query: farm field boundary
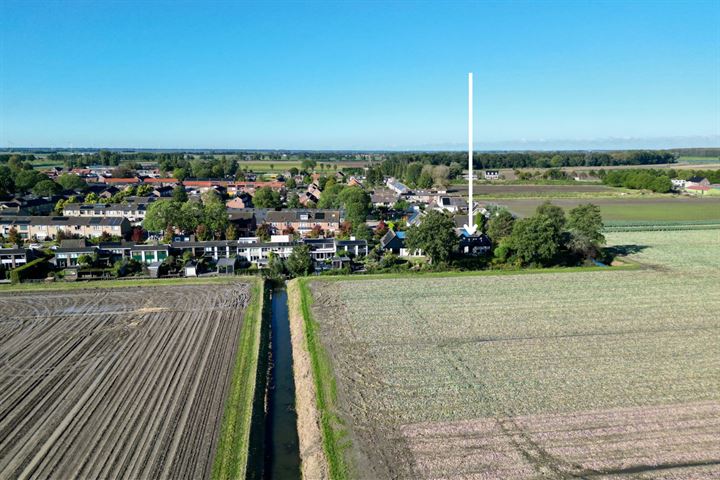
x: 320, y: 422
x: 231, y: 458
x: 630, y: 226
x: 132, y: 382
x: 431, y: 385
x: 331, y: 461
x: 475, y: 273
x: 143, y: 282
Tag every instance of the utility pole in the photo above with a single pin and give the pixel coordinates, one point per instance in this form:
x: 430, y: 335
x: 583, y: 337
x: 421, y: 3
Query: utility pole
x: 470, y: 226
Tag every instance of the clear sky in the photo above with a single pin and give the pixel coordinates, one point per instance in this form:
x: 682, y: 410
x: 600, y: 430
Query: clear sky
x: 364, y: 75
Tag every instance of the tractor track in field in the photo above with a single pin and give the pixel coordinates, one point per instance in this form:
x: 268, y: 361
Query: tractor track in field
x: 123, y: 383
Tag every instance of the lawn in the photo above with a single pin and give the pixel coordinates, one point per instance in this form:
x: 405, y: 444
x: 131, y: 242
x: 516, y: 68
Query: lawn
x: 556, y: 374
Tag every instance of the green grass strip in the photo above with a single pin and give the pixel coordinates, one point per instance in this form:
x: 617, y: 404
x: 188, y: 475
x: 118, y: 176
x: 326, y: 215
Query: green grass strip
x: 475, y: 273
x: 334, y: 433
x: 231, y: 456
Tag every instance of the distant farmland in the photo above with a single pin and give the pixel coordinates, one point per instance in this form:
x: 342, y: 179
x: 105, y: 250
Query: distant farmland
x: 127, y: 382
x: 626, y: 209
x: 550, y: 375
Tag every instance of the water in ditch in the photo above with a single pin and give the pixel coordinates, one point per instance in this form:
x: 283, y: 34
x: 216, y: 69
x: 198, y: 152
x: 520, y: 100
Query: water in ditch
x: 282, y: 456
x: 274, y: 452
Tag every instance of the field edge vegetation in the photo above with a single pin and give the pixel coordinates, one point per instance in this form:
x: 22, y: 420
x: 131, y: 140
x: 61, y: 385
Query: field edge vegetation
x: 334, y: 433
x: 129, y: 283
x: 231, y: 457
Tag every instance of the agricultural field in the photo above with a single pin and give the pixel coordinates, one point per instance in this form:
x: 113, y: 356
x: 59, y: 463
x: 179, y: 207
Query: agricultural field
x: 508, y: 190
x: 713, y: 161
x: 119, y: 382
x: 626, y: 209
x: 588, y: 374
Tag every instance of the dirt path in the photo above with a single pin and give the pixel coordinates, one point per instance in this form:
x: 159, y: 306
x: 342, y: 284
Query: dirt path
x: 312, y: 455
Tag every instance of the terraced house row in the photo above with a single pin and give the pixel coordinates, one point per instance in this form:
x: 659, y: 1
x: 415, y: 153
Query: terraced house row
x: 251, y: 250
x: 48, y: 227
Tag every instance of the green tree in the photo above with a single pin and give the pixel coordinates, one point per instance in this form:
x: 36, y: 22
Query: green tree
x: 356, y: 203
x: 264, y: 232
x: 330, y: 197
x: 59, y: 205
x: 143, y: 190
x: 25, y: 180
x: 46, y: 188
x: 276, y: 266
x: 91, y: 197
x: 425, y: 180
x: 534, y: 241
x: 585, y: 225
x: 308, y: 165
x: 69, y: 181
x: 7, y: 183
x: 14, y: 237
x: 86, y: 260
x: 180, y: 174
x: 179, y: 194
x: 266, y: 197
x: 191, y: 214
x: 435, y: 236
x: 500, y: 226
x: 441, y: 175
x: 554, y: 213
x: 215, y: 218
x: 299, y: 263
x: 160, y: 215
x: 362, y: 232
x: 293, y: 201
x: 231, y: 232
x: 290, y: 183
x: 412, y: 173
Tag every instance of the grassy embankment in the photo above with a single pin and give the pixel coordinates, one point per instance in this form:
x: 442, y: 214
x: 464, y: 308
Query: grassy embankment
x: 231, y: 457
x: 333, y: 430
x: 131, y: 283
x: 232, y: 450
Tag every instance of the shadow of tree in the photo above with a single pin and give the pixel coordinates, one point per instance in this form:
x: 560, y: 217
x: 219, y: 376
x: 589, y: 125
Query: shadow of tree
x: 623, y: 250
x: 610, y: 253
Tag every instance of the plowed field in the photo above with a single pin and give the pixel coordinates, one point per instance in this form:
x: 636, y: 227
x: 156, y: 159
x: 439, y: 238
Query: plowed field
x: 116, y: 383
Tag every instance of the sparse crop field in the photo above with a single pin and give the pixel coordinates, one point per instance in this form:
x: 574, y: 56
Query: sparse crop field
x: 126, y: 382
x: 598, y: 374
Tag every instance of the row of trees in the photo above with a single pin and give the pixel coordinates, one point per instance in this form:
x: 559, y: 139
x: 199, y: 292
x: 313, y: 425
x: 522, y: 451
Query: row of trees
x: 545, y: 239
x: 655, y: 180
x: 415, y: 174
x: 530, y: 159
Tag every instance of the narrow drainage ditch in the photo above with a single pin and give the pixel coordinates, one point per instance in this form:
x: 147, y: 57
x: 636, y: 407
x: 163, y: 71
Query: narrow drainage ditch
x: 274, y: 452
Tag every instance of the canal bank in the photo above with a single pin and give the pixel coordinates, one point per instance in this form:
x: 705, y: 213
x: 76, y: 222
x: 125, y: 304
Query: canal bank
x: 274, y: 452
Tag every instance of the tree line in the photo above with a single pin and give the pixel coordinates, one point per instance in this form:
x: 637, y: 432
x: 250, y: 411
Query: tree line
x: 548, y: 238
x: 653, y: 179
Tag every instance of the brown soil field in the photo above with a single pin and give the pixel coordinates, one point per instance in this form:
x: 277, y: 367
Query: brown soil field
x: 589, y: 444
x: 116, y: 383
x: 579, y: 374
x: 504, y: 189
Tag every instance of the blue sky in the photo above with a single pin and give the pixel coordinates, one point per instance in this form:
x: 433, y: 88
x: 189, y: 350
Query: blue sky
x: 365, y: 75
